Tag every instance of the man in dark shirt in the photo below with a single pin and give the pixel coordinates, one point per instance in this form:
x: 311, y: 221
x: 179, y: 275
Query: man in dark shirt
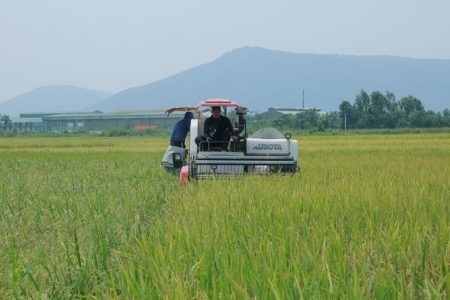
x: 217, y: 129
x: 180, y: 131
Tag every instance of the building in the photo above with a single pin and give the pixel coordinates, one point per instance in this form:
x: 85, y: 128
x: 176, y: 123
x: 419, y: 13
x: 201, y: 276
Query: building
x: 22, y: 124
x: 93, y: 121
x: 275, y: 112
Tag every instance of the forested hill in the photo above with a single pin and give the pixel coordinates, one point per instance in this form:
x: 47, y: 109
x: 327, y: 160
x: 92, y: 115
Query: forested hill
x: 260, y: 78
x: 52, y: 98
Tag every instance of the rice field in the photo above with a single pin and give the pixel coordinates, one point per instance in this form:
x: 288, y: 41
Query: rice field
x: 97, y: 218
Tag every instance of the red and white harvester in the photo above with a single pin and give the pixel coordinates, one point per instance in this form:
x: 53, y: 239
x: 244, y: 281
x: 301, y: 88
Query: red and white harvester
x: 267, y: 151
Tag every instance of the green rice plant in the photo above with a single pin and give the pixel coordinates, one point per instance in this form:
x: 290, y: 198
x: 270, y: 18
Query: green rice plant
x: 361, y: 221
x: 65, y: 206
x: 97, y: 217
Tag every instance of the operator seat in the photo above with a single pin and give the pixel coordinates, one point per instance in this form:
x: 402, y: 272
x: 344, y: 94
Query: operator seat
x: 214, y: 146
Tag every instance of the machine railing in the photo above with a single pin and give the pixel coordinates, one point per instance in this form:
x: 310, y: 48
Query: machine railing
x: 207, y: 165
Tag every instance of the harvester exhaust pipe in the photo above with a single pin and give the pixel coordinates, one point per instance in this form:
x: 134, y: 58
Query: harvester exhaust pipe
x: 241, y: 112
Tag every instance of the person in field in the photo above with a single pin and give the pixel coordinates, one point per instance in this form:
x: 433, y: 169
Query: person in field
x: 217, y: 129
x: 180, y: 131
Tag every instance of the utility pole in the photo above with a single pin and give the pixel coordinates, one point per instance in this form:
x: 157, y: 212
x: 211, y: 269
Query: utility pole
x: 303, y: 101
x: 345, y: 121
x: 303, y: 110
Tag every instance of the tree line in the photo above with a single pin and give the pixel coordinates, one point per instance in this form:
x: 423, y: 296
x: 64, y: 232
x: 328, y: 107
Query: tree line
x: 374, y: 111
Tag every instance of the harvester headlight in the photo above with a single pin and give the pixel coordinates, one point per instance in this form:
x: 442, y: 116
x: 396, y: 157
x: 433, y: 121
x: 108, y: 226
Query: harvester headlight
x: 177, y: 160
x: 287, y: 135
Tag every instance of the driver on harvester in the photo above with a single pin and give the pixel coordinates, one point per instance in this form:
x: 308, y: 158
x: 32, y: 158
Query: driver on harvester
x: 217, y: 129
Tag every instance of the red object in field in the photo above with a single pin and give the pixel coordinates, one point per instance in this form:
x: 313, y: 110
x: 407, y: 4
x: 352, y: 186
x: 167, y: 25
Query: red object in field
x: 142, y: 127
x: 184, y: 175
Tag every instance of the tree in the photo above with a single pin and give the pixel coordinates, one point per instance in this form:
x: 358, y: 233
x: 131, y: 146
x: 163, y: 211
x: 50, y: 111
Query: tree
x: 410, y: 104
x: 5, y: 119
x: 446, y: 117
x: 331, y: 120
x: 411, y: 112
x: 348, y: 114
x: 416, y: 118
x: 362, y: 110
x: 311, y: 118
x: 284, y: 121
x: 446, y: 113
x: 380, y: 109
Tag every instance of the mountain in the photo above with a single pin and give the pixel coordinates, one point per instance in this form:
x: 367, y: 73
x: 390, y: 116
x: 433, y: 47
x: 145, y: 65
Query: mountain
x: 259, y: 78
x: 52, y: 98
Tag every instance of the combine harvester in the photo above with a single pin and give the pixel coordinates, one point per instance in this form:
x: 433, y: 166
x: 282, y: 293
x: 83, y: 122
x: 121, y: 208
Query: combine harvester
x: 266, y: 152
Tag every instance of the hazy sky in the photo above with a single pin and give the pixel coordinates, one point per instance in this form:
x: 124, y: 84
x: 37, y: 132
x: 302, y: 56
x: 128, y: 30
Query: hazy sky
x: 114, y: 45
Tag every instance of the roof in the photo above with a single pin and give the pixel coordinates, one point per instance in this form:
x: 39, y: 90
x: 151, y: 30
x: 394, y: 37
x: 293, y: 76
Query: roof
x: 23, y: 120
x: 137, y: 111
x: 116, y: 115
x: 292, y: 110
x: 42, y: 114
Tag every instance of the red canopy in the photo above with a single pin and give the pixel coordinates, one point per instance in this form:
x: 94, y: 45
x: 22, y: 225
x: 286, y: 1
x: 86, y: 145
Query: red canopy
x: 208, y: 102
x: 218, y: 102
